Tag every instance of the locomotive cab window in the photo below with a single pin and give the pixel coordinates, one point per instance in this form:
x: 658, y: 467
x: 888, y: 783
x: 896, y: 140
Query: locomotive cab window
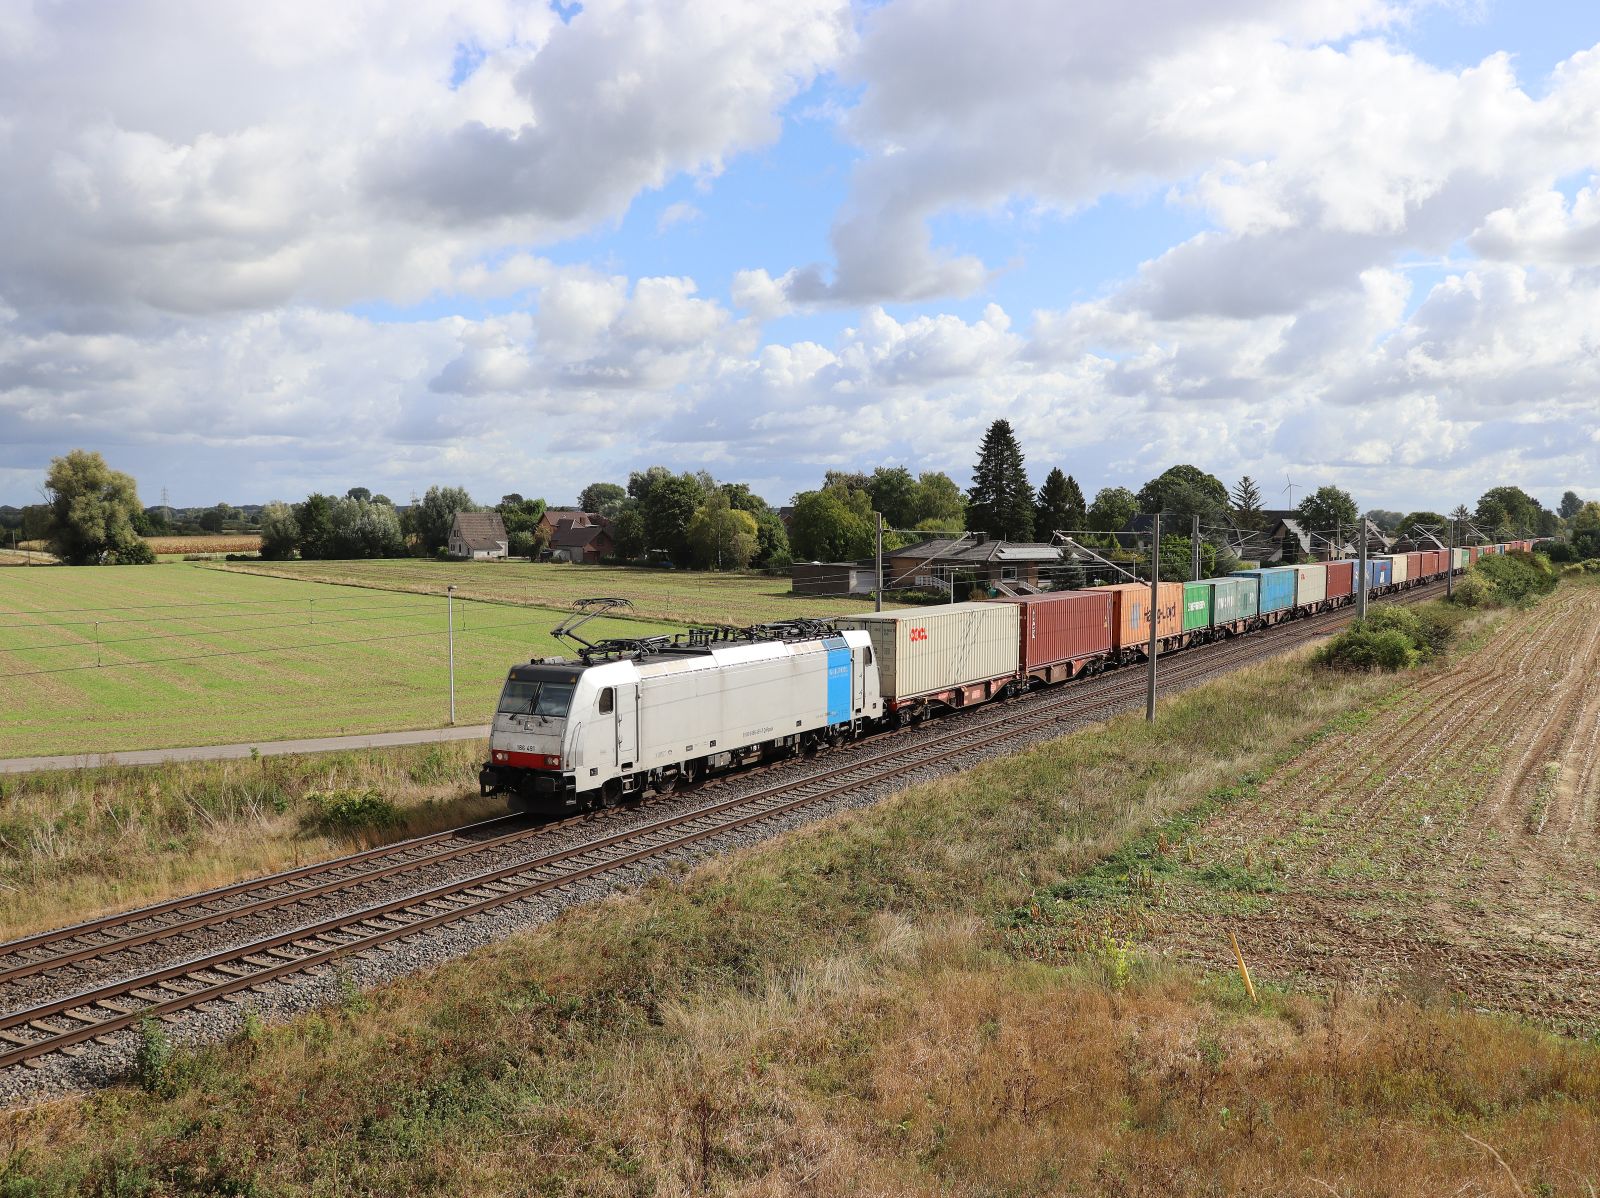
x: 867, y: 659
x: 522, y: 697
x: 607, y: 699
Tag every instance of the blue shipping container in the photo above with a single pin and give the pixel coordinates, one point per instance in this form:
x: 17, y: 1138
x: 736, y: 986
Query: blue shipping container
x: 1380, y: 572
x: 1277, y: 589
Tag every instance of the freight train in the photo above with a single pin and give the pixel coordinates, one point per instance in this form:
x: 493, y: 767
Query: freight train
x: 663, y: 712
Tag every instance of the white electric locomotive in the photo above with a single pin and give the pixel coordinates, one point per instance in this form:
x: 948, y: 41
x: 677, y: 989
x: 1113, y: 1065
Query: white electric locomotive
x: 659, y: 711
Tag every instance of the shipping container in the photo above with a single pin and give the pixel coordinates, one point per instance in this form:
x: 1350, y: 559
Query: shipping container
x: 1130, y: 622
x: 1413, y: 567
x: 1277, y: 588
x: 1196, y: 605
x: 1310, y: 584
x: 1461, y: 559
x: 1062, y: 628
x: 1252, y: 581
x: 1397, y: 566
x: 1233, y: 600
x: 1380, y: 572
x: 1341, y: 578
x: 926, y: 650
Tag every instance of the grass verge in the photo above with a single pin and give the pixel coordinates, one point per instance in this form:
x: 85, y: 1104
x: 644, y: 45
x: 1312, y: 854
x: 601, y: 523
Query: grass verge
x: 77, y: 843
x: 848, y: 1012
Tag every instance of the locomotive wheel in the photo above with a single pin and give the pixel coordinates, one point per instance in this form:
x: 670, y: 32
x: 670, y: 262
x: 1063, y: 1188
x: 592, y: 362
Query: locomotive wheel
x: 666, y: 785
x: 692, y: 772
x: 610, y: 794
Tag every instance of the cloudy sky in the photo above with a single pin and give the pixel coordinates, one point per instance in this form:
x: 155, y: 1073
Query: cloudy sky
x: 252, y: 250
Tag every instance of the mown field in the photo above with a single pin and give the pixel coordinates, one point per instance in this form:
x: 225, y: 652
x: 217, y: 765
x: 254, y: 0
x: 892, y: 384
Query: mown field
x: 670, y: 595
x: 94, y: 659
x: 886, y: 1004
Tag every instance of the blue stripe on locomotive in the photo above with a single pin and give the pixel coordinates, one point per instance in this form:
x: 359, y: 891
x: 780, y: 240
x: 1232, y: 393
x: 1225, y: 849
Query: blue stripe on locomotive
x: 838, y: 680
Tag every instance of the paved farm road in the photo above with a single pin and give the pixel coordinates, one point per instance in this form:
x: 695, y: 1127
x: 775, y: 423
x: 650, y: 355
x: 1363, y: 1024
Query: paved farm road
x: 321, y: 744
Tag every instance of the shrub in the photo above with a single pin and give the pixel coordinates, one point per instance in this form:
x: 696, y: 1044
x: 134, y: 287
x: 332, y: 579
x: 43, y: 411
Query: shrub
x: 152, y: 1059
x: 350, y: 810
x: 1517, y: 577
x: 1475, y: 590
x: 1363, y: 648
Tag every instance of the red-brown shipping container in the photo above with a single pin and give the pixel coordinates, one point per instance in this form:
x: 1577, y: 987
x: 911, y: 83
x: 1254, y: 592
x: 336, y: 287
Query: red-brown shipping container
x: 1435, y: 562
x: 1413, y: 566
x: 1341, y: 578
x: 1130, y: 625
x: 1061, y: 629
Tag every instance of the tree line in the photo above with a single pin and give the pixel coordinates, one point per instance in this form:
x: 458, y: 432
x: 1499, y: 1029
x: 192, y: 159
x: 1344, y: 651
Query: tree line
x: 93, y: 515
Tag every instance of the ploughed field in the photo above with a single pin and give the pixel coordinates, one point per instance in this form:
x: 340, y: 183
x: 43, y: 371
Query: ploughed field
x: 672, y: 595
x: 1443, y: 843
x: 96, y: 659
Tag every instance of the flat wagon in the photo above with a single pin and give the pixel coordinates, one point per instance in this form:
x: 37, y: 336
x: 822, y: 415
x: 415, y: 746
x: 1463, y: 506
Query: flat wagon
x: 954, y: 655
x: 1063, y: 633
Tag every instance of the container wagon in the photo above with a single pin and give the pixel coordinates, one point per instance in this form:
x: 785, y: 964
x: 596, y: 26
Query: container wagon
x: 1197, y: 602
x: 1276, y: 592
x: 1130, y: 622
x: 1234, y: 604
x: 1341, y: 582
x: 1311, y: 587
x: 953, y: 655
x: 1063, y: 633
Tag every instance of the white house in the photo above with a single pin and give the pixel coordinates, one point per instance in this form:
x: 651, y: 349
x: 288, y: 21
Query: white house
x: 478, y: 536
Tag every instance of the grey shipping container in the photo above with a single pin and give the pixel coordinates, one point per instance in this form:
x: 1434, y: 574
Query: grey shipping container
x: 926, y: 650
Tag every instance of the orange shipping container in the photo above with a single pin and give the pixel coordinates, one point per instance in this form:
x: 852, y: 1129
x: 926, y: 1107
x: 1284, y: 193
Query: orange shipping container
x: 1130, y: 624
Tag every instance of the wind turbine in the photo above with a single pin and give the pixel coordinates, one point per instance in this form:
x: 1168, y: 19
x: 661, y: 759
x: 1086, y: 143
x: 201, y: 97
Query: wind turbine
x: 1289, y: 488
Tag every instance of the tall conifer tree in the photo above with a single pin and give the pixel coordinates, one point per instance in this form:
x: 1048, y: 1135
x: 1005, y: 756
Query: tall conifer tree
x: 1246, y: 499
x: 1060, y: 505
x: 1001, y: 496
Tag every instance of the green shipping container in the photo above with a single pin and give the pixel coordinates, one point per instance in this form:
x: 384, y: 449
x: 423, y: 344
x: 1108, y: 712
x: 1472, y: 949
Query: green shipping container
x: 1196, y: 605
x: 1232, y: 599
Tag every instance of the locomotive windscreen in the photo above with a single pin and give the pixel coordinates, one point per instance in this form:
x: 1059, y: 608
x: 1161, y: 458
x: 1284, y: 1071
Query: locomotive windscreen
x: 538, y: 692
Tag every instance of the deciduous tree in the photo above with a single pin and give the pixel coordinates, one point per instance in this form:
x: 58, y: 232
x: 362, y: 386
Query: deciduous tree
x: 720, y: 536
x: 1112, y: 508
x: 1326, y: 510
x: 92, y: 511
x: 280, y: 531
x: 833, y: 524
x: 430, y: 518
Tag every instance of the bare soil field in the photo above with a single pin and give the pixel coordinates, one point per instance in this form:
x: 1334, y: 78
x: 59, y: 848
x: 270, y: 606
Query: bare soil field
x: 1442, y: 843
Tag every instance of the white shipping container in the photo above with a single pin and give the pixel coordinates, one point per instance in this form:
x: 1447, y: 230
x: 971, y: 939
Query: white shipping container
x: 922, y: 650
x: 1310, y: 584
x: 1399, y: 560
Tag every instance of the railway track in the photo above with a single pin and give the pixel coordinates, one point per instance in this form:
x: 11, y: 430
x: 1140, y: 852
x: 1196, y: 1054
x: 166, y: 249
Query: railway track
x: 39, y: 1025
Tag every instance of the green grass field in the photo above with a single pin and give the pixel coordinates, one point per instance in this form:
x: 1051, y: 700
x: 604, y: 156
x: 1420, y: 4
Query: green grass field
x: 96, y: 659
x: 675, y: 596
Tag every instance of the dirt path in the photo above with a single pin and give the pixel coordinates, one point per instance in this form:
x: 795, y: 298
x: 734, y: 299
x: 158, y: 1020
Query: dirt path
x: 1445, y: 845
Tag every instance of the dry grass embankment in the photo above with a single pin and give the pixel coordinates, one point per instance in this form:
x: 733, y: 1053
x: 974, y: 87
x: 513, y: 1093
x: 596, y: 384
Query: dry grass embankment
x: 74, y: 844
x: 849, y: 1011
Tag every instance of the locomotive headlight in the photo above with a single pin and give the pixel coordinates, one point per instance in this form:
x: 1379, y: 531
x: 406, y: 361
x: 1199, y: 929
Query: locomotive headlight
x: 555, y: 761
x: 499, y: 756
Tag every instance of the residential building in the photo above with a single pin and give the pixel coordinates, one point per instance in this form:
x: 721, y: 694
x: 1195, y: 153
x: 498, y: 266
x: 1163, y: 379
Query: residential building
x: 478, y: 536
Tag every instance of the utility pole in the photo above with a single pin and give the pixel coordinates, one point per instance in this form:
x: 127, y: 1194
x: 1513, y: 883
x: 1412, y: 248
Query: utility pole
x: 1361, y: 576
x: 877, y: 595
x: 1154, y: 613
x: 450, y: 622
x: 1450, y: 565
x: 1194, y: 548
